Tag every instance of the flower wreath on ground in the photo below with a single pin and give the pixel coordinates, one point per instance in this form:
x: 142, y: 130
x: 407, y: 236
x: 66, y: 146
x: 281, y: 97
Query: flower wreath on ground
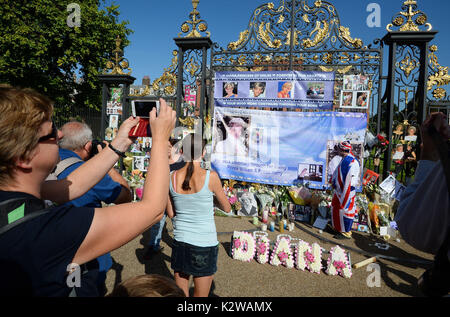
x: 282, y: 253
x: 308, y: 257
x: 262, y: 246
x: 243, y: 246
x: 338, y: 263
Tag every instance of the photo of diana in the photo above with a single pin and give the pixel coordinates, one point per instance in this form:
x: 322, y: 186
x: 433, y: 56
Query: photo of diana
x: 230, y: 90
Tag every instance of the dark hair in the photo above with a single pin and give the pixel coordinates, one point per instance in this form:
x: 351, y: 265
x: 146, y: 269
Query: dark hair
x: 149, y: 285
x: 191, y: 143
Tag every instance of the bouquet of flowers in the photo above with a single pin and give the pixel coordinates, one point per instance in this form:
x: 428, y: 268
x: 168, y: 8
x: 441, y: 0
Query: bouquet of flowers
x: 381, y: 145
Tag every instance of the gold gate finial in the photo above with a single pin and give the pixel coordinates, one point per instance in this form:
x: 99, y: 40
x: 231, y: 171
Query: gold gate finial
x: 118, y: 64
x: 404, y: 19
x: 195, y: 25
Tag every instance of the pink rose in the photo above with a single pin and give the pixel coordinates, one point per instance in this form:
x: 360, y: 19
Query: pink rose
x: 309, y: 256
x: 262, y: 248
x: 237, y: 243
x: 282, y: 256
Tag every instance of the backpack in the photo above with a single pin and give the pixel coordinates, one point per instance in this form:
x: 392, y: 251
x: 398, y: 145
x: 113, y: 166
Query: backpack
x: 61, y: 167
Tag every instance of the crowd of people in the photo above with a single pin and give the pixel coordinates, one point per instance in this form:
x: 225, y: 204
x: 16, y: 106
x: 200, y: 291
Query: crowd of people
x: 52, y: 188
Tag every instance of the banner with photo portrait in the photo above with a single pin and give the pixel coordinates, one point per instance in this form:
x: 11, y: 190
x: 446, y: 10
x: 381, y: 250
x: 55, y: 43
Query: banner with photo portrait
x: 275, y: 89
x: 282, y: 147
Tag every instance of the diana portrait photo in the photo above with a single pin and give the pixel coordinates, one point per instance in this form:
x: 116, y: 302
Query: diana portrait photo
x: 231, y: 135
x: 230, y: 90
x: 249, y: 206
x: 257, y: 90
x: 285, y: 89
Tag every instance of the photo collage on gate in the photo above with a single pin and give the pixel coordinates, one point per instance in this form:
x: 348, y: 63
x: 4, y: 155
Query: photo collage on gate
x: 355, y: 93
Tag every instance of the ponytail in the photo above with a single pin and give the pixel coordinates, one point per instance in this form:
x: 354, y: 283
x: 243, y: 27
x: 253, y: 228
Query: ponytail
x: 187, y: 179
x: 196, y: 150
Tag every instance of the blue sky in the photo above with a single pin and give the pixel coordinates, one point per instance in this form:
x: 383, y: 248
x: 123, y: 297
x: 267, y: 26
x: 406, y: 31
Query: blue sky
x: 157, y: 23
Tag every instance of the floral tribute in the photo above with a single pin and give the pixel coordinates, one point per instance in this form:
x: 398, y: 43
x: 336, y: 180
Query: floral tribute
x: 282, y: 253
x: 338, y: 263
x: 308, y: 257
x: 262, y: 247
x: 243, y: 246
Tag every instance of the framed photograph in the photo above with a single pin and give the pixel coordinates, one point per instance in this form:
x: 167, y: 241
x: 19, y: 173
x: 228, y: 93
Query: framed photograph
x: 303, y: 213
x: 114, y: 121
x: 249, y: 206
x: 291, y: 211
x: 362, y: 99
x: 139, y: 163
x: 347, y: 99
x: 388, y: 185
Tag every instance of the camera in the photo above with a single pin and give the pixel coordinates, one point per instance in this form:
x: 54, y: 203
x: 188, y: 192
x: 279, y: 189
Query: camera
x: 94, y: 150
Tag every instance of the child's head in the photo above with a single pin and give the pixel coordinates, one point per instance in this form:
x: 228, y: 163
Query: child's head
x: 149, y: 285
x: 399, y: 148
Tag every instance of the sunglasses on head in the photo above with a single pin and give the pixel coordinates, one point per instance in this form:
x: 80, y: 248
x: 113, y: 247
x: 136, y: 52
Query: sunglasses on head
x: 52, y: 135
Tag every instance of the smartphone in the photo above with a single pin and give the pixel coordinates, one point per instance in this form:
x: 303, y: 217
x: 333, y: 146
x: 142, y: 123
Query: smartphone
x: 142, y: 108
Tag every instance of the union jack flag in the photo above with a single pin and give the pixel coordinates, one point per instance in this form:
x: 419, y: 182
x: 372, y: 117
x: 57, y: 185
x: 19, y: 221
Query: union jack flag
x: 343, y: 203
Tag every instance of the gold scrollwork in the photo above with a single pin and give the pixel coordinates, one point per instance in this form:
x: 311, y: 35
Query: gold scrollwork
x: 321, y: 34
x: 242, y: 38
x: 195, y: 24
x: 345, y: 69
x: 344, y: 33
x: 288, y: 37
x: 408, y: 64
x: 145, y: 92
x: 404, y: 19
x: 264, y: 35
x: 441, y: 76
x: 439, y: 93
x: 118, y: 64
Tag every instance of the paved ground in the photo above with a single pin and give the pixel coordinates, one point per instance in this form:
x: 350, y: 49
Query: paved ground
x: 238, y: 279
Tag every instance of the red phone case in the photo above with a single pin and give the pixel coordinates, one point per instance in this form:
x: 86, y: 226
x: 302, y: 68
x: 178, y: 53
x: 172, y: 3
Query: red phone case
x: 140, y: 130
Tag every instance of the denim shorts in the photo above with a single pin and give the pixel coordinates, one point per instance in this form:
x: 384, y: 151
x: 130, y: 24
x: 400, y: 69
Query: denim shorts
x: 192, y: 260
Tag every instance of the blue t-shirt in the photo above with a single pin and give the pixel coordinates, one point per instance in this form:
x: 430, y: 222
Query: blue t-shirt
x: 106, y: 190
x: 34, y: 255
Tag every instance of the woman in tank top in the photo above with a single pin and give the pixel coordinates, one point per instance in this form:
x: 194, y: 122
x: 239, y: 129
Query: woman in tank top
x: 195, y: 246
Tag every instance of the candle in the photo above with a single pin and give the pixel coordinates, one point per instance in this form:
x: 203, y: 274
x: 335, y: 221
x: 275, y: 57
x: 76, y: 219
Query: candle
x: 272, y: 226
x: 284, y: 223
x: 263, y: 227
x: 265, y: 214
x: 255, y: 221
x: 281, y: 226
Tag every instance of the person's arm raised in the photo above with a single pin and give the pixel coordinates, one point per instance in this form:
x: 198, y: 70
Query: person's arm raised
x: 129, y: 220
x: 90, y: 173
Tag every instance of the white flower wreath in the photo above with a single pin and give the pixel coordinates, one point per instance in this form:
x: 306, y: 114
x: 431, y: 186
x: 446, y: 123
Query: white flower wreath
x: 243, y: 246
x: 338, y: 263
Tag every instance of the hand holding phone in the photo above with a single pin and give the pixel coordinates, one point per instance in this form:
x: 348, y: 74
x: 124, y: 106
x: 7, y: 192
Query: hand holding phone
x: 142, y: 109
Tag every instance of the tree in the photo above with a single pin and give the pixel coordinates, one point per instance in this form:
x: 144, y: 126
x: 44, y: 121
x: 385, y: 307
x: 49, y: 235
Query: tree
x: 39, y: 49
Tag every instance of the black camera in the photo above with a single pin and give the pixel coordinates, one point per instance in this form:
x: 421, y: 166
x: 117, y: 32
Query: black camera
x: 94, y: 150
